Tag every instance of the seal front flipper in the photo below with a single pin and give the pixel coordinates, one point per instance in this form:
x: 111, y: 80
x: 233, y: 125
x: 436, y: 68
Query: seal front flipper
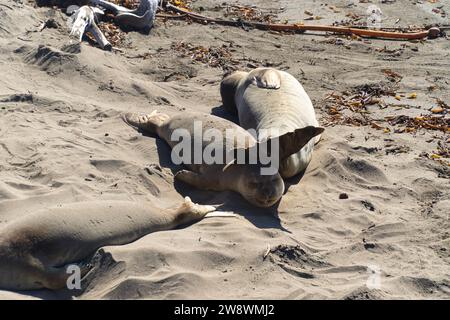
x: 292, y: 142
x: 197, y: 180
x: 266, y: 78
x: 287, y: 144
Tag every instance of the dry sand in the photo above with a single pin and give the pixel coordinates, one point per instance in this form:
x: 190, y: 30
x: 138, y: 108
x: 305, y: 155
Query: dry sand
x: 62, y: 140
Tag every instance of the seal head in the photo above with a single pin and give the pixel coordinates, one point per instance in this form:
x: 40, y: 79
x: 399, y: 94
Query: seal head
x: 260, y: 190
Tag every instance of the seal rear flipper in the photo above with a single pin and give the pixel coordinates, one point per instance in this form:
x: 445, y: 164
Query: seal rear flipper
x: 148, y: 123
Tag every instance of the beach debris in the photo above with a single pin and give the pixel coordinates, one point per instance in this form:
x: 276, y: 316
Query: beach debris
x: 352, y: 19
x: 441, y: 154
x: 357, y: 101
x: 368, y: 205
x: 101, y: 26
x: 443, y: 150
x: 397, y: 150
x: 351, y: 108
x: 129, y: 4
x: 411, y: 124
x: 368, y: 245
x: 267, y: 252
x: 437, y: 109
x: 431, y: 33
x: 185, y: 4
x: 141, y: 17
x: 49, y: 24
x: 441, y: 108
x: 112, y: 32
x: 392, y: 75
x: 213, y: 56
x: 84, y: 20
x: 246, y: 13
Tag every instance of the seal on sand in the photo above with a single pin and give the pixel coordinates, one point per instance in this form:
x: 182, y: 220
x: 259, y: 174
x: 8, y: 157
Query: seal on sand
x: 259, y: 189
x: 267, y: 98
x: 36, y: 249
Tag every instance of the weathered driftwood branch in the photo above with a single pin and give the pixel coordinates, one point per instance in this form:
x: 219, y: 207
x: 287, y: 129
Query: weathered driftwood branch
x: 83, y: 20
x: 430, y: 33
x: 141, y: 18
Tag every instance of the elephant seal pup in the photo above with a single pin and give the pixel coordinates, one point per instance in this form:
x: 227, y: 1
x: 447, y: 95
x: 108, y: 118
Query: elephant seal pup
x: 35, y: 250
x: 262, y: 190
x: 268, y: 99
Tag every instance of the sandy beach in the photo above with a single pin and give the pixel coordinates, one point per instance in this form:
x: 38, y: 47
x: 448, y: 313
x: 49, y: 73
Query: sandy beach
x: 369, y: 219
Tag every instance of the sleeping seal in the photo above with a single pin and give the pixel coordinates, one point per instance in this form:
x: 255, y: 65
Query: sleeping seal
x: 262, y: 190
x: 35, y: 250
x: 267, y: 98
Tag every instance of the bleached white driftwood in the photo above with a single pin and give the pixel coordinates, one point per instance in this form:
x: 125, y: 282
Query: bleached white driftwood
x: 141, y: 18
x: 83, y: 20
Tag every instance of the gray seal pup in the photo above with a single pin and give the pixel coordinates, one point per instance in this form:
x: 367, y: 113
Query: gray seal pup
x: 35, y: 250
x: 262, y: 190
x: 268, y: 99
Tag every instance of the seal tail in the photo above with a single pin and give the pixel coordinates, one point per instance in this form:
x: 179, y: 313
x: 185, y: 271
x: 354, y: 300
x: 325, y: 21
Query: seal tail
x: 149, y: 123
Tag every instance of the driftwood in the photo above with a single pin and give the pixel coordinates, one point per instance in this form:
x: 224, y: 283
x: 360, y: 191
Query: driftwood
x: 141, y: 18
x: 83, y: 20
x: 430, y: 33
